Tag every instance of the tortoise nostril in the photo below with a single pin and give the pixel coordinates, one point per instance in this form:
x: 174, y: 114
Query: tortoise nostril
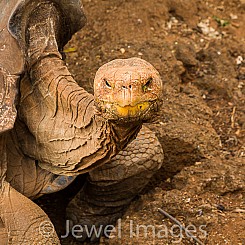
x: 126, y: 87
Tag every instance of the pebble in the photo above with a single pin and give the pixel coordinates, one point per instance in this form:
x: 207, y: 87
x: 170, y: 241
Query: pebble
x: 122, y: 50
x: 233, y: 16
x: 139, y: 21
x: 239, y: 60
x: 207, y: 30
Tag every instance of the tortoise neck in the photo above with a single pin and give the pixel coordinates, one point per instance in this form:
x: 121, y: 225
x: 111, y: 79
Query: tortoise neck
x: 125, y: 133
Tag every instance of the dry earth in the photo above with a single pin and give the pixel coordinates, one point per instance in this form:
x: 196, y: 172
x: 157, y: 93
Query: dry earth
x: 198, y: 48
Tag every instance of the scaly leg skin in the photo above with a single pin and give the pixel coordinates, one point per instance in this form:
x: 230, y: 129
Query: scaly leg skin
x: 21, y: 220
x: 109, y: 189
x: 24, y: 174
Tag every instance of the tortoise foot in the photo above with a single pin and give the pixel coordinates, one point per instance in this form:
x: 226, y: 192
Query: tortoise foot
x: 89, y: 222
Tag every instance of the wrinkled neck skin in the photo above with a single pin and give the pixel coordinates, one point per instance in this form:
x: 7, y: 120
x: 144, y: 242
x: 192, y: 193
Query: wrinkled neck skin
x: 57, y: 121
x: 125, y: 132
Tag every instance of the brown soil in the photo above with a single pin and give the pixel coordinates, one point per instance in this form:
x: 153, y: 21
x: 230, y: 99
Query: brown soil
x: 201, y: 124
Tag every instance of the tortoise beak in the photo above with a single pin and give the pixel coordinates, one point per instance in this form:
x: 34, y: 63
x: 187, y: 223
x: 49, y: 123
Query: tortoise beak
x: 131, y: 111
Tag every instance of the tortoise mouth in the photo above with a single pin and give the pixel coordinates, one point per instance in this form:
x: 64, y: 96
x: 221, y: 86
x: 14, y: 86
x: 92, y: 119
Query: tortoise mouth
x: 142, y: 111
x: 131, y: 111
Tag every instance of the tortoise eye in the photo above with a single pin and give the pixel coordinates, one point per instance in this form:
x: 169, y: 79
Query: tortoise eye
x: 147, y: 84
x: 149, y: 81
x: 107, y: 83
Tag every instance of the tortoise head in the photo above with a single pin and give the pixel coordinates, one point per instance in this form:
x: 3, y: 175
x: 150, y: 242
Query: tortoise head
x: 127, y: 90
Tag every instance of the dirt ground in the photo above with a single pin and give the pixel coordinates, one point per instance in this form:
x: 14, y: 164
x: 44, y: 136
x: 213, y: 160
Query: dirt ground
x: 198, y: 48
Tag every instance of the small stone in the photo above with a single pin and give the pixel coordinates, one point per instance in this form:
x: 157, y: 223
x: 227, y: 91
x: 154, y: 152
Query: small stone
x: 139, y: 21
x: 233, y: 16
x: 239, y: 60
x: 122, y: 50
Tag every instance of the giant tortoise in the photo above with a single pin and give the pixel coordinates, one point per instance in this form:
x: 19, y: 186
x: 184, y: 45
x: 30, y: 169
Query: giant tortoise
x: 52, y: 130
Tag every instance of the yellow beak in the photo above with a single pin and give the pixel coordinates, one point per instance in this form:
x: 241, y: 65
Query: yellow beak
x: 131, y: 111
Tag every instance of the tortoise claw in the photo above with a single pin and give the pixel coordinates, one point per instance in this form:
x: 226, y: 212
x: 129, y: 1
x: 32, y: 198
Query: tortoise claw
x: 92, y: 220
x: 59, y: 183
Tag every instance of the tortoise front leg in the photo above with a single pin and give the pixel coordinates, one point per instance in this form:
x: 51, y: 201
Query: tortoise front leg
x: 110, y: 189
x: 22, y: 221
